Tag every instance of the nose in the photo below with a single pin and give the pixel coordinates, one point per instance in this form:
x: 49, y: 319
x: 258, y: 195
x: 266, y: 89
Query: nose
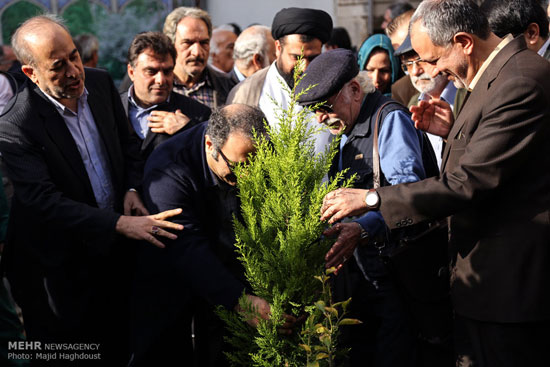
x: 416, y: 69
x: 195, y: 49
x: 435, y: 72
x: 72, y: 70
x: 160, y: 78
x: 376, y: 77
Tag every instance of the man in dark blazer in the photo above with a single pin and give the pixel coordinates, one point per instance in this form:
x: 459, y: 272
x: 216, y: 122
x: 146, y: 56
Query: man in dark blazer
x: 155, y: 111
x: 75, y: 168
x: 494, y: 184
x: 193, y: 170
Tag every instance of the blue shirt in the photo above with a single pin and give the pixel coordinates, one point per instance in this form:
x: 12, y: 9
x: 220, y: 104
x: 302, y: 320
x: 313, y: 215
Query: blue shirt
x: 91, y: 148
x: 139, y: 116
x: 400, y: 160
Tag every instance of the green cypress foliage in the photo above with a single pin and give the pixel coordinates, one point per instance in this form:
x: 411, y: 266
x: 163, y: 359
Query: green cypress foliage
x: 279, y: 242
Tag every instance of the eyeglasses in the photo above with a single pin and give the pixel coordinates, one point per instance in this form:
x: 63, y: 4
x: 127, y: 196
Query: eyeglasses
x: 230, y: 164
x: 326, y: 108
x: 231, y: 177
x: 407, y: 65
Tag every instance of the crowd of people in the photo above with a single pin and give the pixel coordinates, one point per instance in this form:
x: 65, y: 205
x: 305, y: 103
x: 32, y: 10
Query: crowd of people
x: 120, y: 226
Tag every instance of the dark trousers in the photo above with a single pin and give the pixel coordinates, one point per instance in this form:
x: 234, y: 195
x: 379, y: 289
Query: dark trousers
x: 507, y: 345
x: 385, y: 338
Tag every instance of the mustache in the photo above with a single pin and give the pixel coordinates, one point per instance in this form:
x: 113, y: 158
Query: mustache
x: 332, y: 121
x: 423, y: 76
x: 195, y: 59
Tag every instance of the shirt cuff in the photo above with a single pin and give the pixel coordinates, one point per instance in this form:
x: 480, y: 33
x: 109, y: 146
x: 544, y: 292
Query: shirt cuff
x: 372, y: 222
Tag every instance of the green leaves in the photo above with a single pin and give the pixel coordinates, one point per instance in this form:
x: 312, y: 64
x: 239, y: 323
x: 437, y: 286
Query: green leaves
x: 279, y: 244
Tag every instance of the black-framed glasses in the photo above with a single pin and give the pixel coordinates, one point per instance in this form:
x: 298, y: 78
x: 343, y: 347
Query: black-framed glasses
x: 230, y: 164
x: 409, y: 64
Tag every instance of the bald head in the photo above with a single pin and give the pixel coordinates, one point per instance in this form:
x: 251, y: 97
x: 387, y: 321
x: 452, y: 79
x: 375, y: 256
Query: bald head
x: 50, y: 59
x: 32, y: 33
x: 221, y: 49
x: 254, y: 49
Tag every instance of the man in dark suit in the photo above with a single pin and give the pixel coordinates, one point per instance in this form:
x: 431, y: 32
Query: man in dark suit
x: 155, y: 111
x: 494, y: 184
x: 75, y: 167
x: 193, y: 170
x: 525, y: 17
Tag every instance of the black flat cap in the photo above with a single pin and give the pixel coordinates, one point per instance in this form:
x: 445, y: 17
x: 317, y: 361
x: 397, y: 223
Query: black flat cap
x: 405, y: 47
x: 312, y: 22
x: 331, y: 70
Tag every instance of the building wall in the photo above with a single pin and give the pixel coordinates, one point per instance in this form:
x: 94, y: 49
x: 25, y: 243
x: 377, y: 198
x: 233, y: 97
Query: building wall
x: 246, y: 12
x: 350, y: 14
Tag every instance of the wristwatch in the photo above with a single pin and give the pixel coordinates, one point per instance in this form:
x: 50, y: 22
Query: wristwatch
x: 372, y: 200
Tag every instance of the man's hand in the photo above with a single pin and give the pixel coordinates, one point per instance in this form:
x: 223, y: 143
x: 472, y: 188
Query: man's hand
x: 147, y: 227
x: 133, y: 205
x: 263, y: 310
x: 342, y: 203
x: 349, y: 235
x: 434, y: 116
x: 163, y: 122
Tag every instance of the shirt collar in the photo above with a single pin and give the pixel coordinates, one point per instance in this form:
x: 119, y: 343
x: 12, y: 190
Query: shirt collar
x: 544, y: 47
x: 240, y: 75
x: 134, y: 103
x: 449, y: 93
x: 204, y: 80
x: 64, y: 109
x: 486, y: 63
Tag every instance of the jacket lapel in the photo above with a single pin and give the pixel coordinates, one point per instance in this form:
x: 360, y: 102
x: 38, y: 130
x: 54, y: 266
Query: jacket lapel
x: 479, y: 94
x: 59, y: 134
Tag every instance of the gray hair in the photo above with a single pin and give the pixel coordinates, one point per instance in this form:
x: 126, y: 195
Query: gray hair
x: 34, y: 24
x: 445, y: 18
x: 249, y: 44
x: 173, y: 19
x: 233, y: 118
x: 214, y: 45
x: 88, y: 44
x: 367, y: 86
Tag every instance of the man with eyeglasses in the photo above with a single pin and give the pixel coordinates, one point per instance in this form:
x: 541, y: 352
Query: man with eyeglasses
x: 347, y: 102
x: 199, y: 270
x: 429, y: 87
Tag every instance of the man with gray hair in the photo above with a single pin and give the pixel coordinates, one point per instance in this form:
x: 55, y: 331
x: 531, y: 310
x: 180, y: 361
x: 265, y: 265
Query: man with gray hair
x: 494, y: 185
x: 190, y: 29
x: 88, y: 46
x: 75, y: 169
x: 221, y: 50
x: 254, y: 50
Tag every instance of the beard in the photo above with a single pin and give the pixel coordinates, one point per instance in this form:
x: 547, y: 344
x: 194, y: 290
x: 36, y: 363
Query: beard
x: 64, y: 91
x: 432, y: 86
x: 287, y: 77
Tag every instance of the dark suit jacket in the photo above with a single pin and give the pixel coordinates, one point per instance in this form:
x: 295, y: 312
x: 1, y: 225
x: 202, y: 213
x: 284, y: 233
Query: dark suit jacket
x: 221, y: 84
x: 495, y: 186
x: 196, y: 111
x: 233, y: 76
x: 57, y: 235
x: 403, y: 90
x: 201, y: 260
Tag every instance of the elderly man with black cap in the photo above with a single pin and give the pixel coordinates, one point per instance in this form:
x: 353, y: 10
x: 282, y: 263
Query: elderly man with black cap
x: 346, y: 101
x: 295, y: 30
